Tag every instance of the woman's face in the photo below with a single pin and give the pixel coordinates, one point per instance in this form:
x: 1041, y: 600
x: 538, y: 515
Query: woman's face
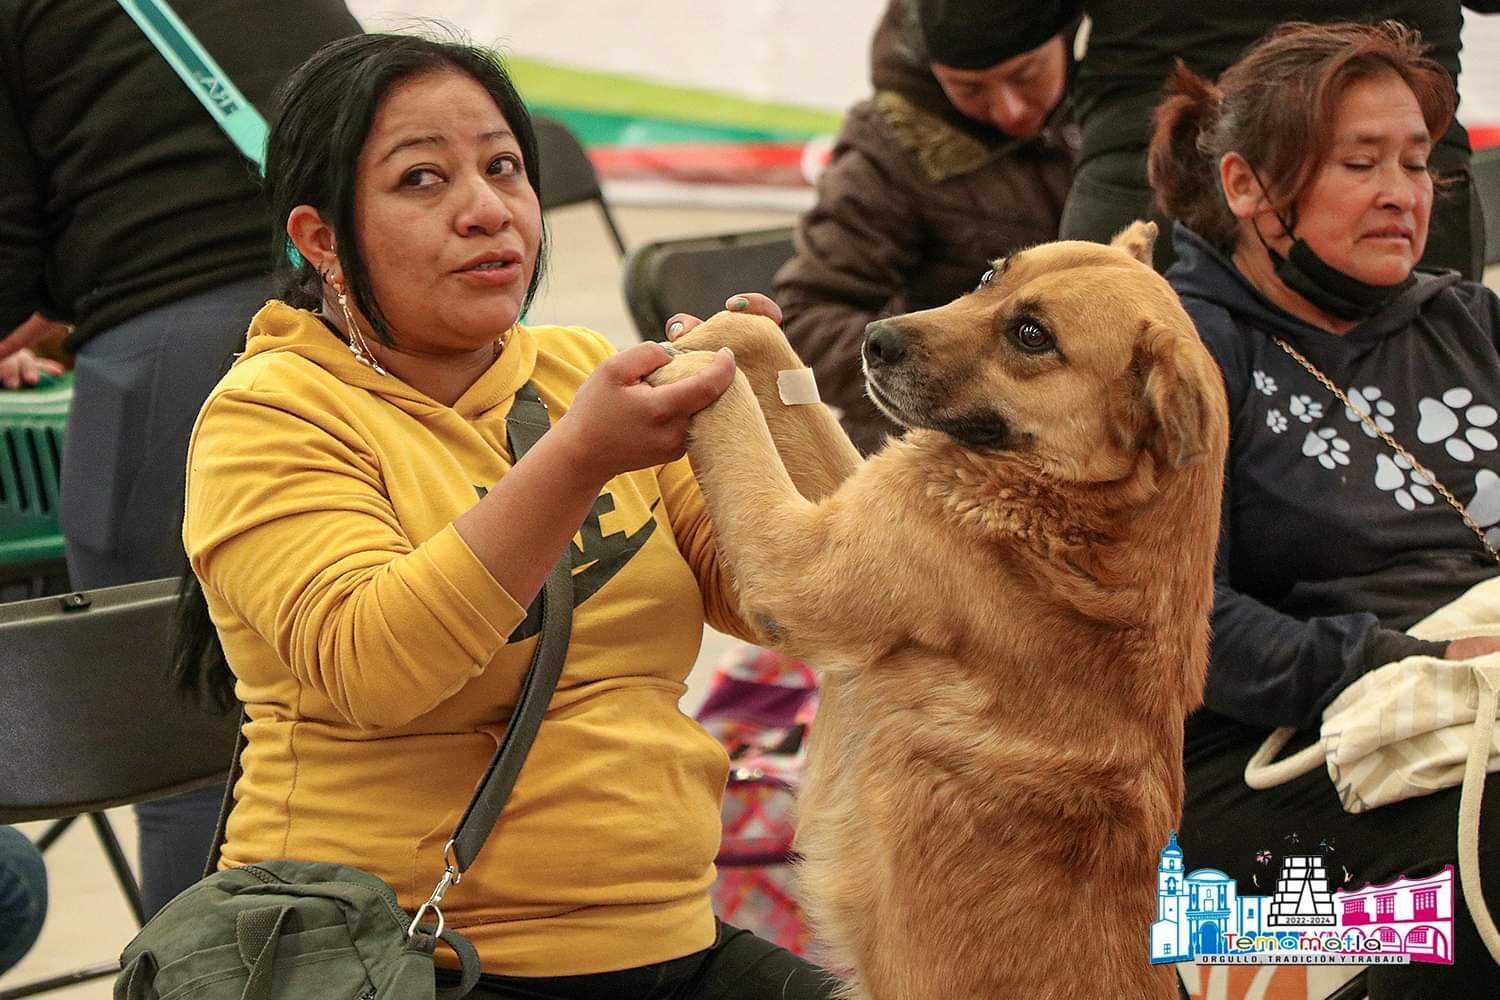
x: 448, y: 224
x: 1367, y: 208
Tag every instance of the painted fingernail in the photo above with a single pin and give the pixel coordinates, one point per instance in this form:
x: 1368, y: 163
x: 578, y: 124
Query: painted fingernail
x: 739, y: 304
x: 669, y: 349
x: 674, y: 329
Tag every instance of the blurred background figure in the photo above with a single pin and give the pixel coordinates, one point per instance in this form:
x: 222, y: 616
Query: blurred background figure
x: 127, y: 213
x: 960, y: 156
x: 23, y: 895
x: 1131, y: 48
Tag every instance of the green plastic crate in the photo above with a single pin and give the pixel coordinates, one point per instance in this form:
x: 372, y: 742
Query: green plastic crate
x: 32, y: 426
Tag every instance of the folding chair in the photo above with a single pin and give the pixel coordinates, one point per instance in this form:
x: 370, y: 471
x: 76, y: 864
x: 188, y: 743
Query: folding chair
x: 567, y: 173
x: 89, y: 720
x: 697, y: 273
x: 32, y: 423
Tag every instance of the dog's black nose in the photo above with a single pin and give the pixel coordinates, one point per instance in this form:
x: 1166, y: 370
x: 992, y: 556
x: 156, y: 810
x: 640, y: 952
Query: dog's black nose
x: 885, y: 344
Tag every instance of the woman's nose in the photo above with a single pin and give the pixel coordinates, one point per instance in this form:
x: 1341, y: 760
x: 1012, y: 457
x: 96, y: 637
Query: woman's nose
x: 484, y: 209
x: 1401, y: 189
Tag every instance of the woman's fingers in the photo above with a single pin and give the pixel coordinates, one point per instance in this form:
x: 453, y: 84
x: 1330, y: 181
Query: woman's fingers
x: 756, y: 304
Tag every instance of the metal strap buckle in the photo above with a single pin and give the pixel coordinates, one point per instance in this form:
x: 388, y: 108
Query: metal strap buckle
x: 451, y: 876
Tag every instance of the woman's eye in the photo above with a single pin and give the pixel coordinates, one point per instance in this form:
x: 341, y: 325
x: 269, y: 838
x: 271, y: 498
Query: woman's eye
x: 420, y: 177
x: 505, y: 166
x: 1033, y: 337
x: 1359, y: 166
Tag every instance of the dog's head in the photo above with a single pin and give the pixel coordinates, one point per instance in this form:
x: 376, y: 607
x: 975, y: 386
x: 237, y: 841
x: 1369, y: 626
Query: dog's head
x: 1077, y: 354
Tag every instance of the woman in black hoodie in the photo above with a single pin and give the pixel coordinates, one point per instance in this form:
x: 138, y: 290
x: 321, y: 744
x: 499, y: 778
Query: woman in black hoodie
x: 1302, y: 185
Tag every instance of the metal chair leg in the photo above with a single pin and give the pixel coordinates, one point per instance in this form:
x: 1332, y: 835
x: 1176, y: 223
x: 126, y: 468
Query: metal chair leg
x: 50, y: 835
x: 73, y: 978
x: 120, y: 866
x: 614, y: 231
x: 1354, y: 989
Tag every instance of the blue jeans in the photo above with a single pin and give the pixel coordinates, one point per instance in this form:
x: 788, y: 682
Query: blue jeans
x: 23, y: 895
x: 137, y: 388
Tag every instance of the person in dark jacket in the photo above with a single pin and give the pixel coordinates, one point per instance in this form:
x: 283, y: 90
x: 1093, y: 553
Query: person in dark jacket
x: 959, y: 157
x: 126, y: 212
x: 1303, y: 182
x: 23, y: 896
x: 1131, y: 48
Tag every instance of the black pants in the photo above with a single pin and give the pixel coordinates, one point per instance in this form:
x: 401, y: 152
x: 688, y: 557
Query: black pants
x: 1110, y: 192
x: 739, y: 965
x: 1226, y: 824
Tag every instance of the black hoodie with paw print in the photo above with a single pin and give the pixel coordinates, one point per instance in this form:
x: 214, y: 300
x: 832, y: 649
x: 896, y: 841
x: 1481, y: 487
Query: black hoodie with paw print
x: 1329, y: 544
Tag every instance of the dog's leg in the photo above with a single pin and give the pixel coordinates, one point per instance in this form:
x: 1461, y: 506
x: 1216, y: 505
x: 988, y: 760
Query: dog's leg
x: 771, y: 537
x: 813, y: 447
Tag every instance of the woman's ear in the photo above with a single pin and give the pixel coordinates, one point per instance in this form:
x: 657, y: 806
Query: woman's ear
x: 1242, y: 190
x: 313, y: 238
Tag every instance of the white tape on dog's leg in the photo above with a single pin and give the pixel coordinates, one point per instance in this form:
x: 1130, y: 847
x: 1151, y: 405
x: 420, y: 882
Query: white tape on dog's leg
x: 797, y: 387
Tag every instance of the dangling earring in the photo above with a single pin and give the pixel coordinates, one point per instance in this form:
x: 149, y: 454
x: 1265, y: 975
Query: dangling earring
x: 357, y: 345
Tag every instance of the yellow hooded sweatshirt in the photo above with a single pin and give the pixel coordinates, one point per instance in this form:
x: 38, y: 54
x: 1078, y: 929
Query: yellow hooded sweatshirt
x: 379, y: 661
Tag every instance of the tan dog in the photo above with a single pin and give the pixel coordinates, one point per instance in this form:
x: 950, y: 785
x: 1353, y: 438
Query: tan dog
x: 1010, y: 607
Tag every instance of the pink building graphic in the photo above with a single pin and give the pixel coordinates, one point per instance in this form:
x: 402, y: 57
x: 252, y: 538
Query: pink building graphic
x: 1410, y: 916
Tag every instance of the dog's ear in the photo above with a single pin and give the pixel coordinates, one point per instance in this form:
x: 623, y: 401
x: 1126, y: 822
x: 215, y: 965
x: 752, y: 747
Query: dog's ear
x: 1137, y: 239
x: 1172, y: 380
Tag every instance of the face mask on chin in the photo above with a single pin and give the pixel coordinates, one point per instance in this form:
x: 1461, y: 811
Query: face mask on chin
x: 1336, y: 293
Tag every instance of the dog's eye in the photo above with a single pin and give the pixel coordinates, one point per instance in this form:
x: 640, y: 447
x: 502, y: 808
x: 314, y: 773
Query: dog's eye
x: 984, y: 282
x: 1032, y: 337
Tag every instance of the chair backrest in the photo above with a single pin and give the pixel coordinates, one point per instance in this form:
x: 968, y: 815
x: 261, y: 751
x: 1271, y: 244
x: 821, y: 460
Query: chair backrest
x: 567, y: 173
x: 89, y: 718
x: 696, y: 274
x: 1485, y: 171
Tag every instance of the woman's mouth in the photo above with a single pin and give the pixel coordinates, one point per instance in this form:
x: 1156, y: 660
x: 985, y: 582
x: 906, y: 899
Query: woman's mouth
x: 499, y: 269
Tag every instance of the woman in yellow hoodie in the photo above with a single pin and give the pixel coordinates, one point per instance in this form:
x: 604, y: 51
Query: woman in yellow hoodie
x: 369, y: 551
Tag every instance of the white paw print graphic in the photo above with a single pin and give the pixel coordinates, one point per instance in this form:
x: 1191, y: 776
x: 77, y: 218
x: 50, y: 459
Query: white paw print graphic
x: 1410, y: 486
x: 1368, y: 402
x: 1263, y: 382
x: 1327, y: 447
x: 1276, y: 420
x: 1485, y: 507
x: 1305, y: 410
x: 1440, y: 422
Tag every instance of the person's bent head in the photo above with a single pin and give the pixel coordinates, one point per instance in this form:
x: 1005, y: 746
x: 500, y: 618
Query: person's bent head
x: 404, y: 170
x: 1011, y: 80
x: 1307, y: 162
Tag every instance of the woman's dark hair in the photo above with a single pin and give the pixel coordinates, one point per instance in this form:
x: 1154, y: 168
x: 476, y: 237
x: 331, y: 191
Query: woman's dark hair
x: 323, y: 115
x: 1276, y: 107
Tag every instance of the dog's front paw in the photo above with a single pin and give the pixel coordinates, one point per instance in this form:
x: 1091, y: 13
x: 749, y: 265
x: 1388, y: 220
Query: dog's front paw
x: 755, y: 340
x: 684, y: 364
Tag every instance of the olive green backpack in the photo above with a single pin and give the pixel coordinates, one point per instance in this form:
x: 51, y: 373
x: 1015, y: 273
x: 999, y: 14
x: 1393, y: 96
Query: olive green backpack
x: 298, y: 930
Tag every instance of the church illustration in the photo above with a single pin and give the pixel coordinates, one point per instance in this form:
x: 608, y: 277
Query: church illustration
x: 1194, y: 911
